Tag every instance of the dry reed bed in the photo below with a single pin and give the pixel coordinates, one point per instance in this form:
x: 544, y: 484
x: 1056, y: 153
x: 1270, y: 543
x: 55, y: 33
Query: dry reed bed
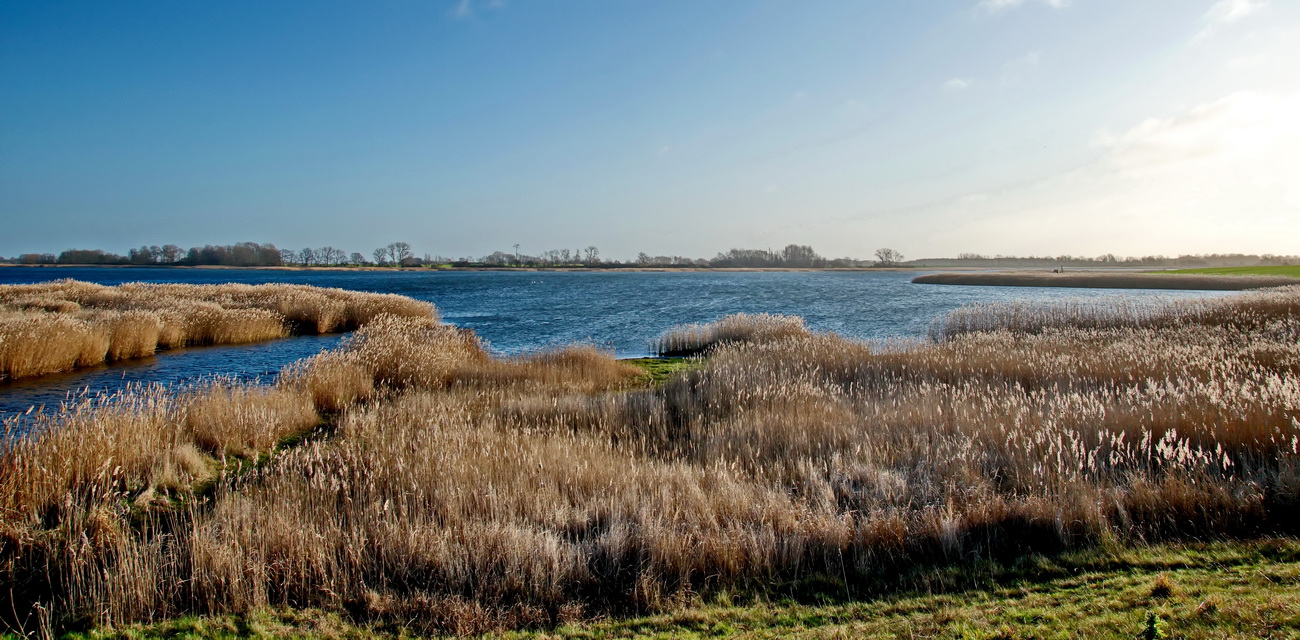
x: 1107, y: 280
x: 1246, y: 312
x: 57, y: 326
x: 697, y: 339
x: 471, y: 493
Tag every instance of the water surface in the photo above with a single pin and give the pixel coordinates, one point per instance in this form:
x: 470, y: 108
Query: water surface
x: 518, y: 311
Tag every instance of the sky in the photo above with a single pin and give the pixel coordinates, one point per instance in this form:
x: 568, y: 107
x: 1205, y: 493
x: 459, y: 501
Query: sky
x: 674, y: 127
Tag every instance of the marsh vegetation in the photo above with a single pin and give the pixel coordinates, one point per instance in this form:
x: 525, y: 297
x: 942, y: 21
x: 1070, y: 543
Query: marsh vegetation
x: 411, y: 477
x: 63, y: 325
x: 1206, y: 279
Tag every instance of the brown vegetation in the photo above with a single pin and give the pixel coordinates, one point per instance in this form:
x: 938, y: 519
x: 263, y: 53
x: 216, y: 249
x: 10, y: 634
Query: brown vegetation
x: 1107, y: 280
x: 466, y: 492
x: 57, y: 326
x: 696, y: 339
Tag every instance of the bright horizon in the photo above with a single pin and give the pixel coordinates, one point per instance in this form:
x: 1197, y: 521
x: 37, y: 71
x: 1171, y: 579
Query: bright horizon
x: 1015, y: 127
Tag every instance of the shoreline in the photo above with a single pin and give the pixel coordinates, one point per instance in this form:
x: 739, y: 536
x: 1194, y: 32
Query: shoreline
x: 1107, y: 280
x: 585, y: 269
x: 485, y: 268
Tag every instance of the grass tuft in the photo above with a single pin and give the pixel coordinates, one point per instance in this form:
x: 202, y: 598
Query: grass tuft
x: 697, y: 339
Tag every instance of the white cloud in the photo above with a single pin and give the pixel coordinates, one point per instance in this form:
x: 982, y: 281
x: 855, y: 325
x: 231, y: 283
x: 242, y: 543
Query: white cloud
x: 1252, y: 61
x: 466, y: 9
x: 1240, y: 135
x: 1014, y: 70
x: 1229, y: 11
x: 852, y: 108
x: 1226, y: 12
x: 1221, y: 176
x: 998, y: 6
x: 958, y: 84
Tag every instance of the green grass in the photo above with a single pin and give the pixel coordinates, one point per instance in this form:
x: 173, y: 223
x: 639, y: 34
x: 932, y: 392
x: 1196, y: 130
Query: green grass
x: 658, y: 370
x: 1288, y: 271
x: 1219, y: 590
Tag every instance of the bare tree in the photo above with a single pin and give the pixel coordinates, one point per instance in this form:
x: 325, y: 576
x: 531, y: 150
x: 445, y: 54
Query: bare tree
x: 357, y: 258
x: 593, y: 255
x: 888, y: 257
x: 172, y: 253
x: 398, y: 251
x: 403, y: 251
x: 795, y: 255
x: 306, y: 256
x: 381, y: 256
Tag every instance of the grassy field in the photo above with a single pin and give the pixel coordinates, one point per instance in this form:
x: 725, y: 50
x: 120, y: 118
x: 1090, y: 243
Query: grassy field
x: 1218, y: 590
x: 409, y: 481
x: 659, y: 370
x: 1292, y: 271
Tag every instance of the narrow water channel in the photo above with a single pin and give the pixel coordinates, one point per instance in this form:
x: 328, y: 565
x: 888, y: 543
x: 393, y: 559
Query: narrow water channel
x: 260, y: 361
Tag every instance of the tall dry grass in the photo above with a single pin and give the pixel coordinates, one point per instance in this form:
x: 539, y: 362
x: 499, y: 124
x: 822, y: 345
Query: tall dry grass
x: 696, y: 339
x: 1244, y: 311
x: 462, y: 493
x: 57, y: 326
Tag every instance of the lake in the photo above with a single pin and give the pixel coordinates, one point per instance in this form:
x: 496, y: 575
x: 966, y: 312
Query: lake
x: 517, y: 311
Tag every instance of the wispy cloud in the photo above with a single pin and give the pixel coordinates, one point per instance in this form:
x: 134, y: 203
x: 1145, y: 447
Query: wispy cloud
x: 1221, y: 174
x: 1229, y: 11
x: 463, y: 9
x: 1226, y: 12
x: 998, y: 6
x: 958, y: 84
x: 466, y: 9
x: 1015, y: 69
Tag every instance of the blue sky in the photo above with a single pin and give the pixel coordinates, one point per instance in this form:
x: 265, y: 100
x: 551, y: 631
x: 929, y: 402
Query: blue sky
x: 684, y: 128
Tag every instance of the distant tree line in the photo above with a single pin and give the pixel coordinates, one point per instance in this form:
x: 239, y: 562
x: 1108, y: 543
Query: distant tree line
x: 244, y: 254
x: 792, y: 256
x: 401, y: 254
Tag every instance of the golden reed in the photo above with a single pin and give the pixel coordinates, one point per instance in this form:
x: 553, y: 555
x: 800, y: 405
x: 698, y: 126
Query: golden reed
x: 452, y: 491
x: 58, y: 326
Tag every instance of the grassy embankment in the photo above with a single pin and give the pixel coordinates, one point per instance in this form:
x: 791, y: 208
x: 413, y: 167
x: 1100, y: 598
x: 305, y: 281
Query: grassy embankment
x: 1290, y: 271
x: 1112, y: 280
x: 63, y: 325
x: 443, y: 490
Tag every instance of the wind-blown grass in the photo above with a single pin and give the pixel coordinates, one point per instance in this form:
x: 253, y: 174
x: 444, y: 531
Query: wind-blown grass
x: 457, y: 492
x: 51, y: 327
x: 1245, y: 312
x: 696, y: 339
